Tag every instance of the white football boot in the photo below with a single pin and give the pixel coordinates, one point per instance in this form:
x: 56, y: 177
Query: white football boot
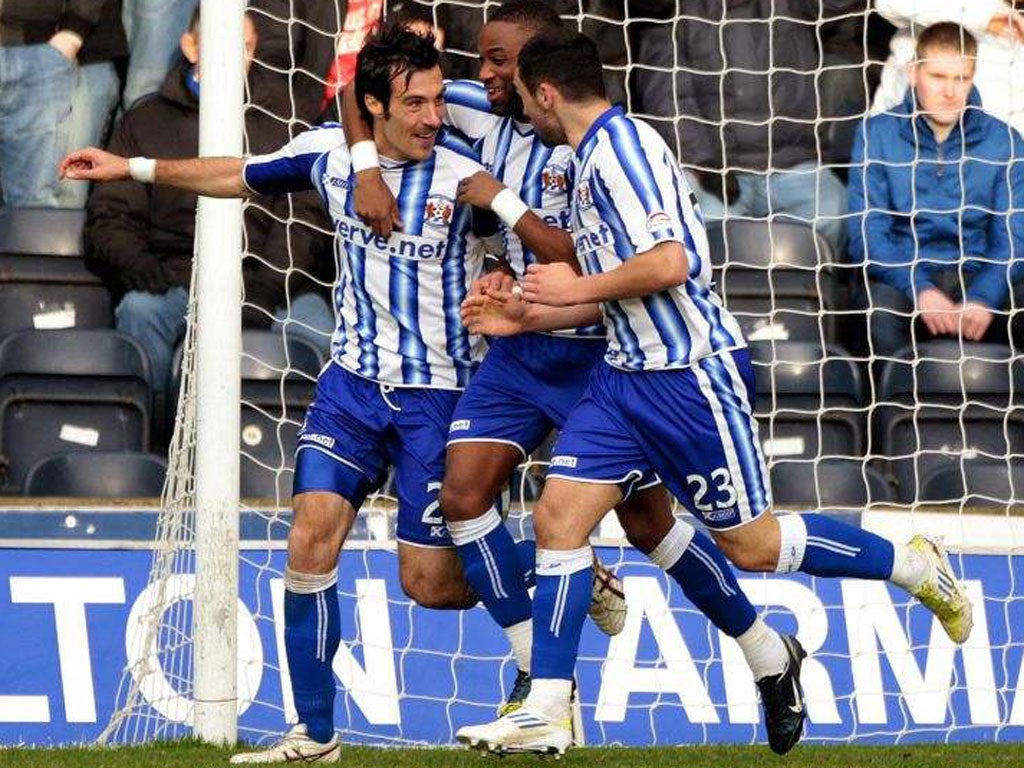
x: 294, y: 747
x: 941, y: 592
x: 519, y: 731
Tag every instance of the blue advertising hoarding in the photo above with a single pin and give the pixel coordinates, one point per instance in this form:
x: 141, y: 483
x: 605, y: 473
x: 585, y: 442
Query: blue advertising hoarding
x: 880, y: 669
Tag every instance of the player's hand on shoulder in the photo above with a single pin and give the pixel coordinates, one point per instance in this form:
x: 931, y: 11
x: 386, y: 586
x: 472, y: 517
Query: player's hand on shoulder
x: 495, y: 312
x: 92, y: 164
x: 556, y: 285
x: 480, y: 189
x: 374, y: 203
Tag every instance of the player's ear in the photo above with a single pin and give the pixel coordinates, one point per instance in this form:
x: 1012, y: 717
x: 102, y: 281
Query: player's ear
x: 373, y: 104
x: 546, y: 95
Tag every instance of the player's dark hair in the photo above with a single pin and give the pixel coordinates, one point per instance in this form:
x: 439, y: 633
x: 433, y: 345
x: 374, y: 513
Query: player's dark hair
x: 946, y: 36
x: 193, y: 21
x: 567, y: 60
x: 536, y: 15
x: 388, y: 53
x: 405, y: 13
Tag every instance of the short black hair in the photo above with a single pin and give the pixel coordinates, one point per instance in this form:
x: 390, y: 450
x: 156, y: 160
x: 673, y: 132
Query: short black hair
x: 536, y: 15
x: 406, y: 13
x: 390, y: 52
x: 568, y: 60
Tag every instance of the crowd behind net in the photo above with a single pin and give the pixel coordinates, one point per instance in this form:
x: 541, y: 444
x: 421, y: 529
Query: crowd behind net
x: 843, y: 426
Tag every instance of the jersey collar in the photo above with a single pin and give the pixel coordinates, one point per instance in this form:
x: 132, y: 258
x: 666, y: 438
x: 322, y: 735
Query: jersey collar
x: 590, y: 137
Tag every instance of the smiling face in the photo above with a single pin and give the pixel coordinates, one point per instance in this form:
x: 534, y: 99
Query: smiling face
x: 942, y: 83
x: 407, y: 130
x: 538, y: 108
x: 500, y: 42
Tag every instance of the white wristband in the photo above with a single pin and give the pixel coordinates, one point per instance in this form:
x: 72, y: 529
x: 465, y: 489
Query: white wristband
x: 508, y: 207
x: 364, y: 155
x: 142, y: 169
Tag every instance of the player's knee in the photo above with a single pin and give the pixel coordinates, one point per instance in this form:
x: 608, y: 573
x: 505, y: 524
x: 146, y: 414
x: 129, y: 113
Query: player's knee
x: 463, y: 501
x: 439, y: 594
x: 749, y: 555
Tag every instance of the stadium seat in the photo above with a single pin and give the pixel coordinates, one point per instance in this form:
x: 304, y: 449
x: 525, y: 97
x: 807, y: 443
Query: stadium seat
x: 70, y: 390
x: 976, y: 483
x: 843, y: 483
x: 954, y: 402
x: 271, y: 413
x: 99, y: 474
x: 808, y: 400
x: 44, y: 283
x: 767, y: 273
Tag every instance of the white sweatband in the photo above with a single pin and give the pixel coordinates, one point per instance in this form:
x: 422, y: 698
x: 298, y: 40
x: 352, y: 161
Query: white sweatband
x: 792, y: 543
x: 142, y: 169
x: 363, y: 155
x: 508, y: 207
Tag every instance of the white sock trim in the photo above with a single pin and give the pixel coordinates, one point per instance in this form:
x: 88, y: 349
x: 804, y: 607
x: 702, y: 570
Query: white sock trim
x: 299, y: 583
x: 520, y: 637
x: 550, y: 698
x: 563, y: 562
x: 467, y: 531
x: 792, y: 544
x: 909, y: 568
x: 672, y: 547
x: 763, y: 649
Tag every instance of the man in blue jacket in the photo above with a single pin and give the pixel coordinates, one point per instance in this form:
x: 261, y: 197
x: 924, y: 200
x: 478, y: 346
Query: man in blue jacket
x: 937, y: 196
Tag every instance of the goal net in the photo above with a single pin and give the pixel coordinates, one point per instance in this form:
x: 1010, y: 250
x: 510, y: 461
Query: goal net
x: 846, y: 427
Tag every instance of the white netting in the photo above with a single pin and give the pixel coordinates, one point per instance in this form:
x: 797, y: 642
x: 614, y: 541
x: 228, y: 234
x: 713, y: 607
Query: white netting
x: 841, y: 430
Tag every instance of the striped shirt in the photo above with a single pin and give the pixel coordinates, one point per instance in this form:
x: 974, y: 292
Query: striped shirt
x: 514, y: 154
x: 397, y: 300
x: 630, y: 195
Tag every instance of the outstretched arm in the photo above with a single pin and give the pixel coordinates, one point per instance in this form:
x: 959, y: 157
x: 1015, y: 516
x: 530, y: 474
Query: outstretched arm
x: 209, y: 176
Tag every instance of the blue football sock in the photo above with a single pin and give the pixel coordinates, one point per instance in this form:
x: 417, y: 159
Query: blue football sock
x: 707, y: 580
x: 312, y: 632
x: 528, y: 559
x: 565, y: 581
x: 822, y: 546
x: 492, y: 565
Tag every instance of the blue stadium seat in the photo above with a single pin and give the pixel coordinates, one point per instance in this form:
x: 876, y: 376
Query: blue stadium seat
x: 842, y: 483
x: 70, y: 390
x: 99, y: 475
x: 976, y: 483
x: 809, y: 400
x: 767, y: 273
x: 955, y: 401
x: 44, y: 283
x: 272, y: 411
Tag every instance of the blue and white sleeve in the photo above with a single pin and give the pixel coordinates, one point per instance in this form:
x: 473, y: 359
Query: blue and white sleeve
x: 289, y: 169
x: 468, y: 108
x: 641, y: 192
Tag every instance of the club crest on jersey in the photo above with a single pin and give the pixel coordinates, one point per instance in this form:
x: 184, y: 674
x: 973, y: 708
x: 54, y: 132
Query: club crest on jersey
x: 438, y: 211
x: 584, y: 199
x: 554, y: 180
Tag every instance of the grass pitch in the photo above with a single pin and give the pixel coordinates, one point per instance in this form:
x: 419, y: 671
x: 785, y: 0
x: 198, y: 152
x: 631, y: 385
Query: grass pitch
x: 194, y: 755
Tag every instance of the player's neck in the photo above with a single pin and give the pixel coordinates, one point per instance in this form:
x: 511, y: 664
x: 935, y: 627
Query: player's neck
x: 576, y: 119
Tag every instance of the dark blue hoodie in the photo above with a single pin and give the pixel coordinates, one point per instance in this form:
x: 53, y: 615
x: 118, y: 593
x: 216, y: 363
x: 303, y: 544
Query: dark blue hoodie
x: 930, y: 205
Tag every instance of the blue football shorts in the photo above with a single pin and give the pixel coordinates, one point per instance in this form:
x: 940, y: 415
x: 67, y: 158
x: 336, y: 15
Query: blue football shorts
x: 693, y: 426
x: 356, y: 428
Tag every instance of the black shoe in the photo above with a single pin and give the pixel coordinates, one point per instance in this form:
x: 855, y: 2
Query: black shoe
x: 520, y: 690
x: 782, y: 697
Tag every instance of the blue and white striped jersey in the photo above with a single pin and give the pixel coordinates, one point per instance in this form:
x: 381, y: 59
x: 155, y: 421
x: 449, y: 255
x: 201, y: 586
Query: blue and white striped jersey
x: 397, y: 300
x: 630, y: 195
x: 516, y: 156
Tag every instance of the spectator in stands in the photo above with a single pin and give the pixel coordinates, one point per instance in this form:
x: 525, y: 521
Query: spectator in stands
x: 41, y: 46
x: 154, y: 28
x: 739, y: 81
x: 999, y: 29
x: 95, y: 97
x: 139, y: 237
x: 937, y: 193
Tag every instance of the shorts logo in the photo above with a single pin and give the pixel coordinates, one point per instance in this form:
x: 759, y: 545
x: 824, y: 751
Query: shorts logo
x: 563, y: 461
x: 324, y: 440
x: 583, y: 197
x: 720, y: 514
x: 658, y: 220
x: 459, y: 426
x: 335, y: 181
x: 438, y: 211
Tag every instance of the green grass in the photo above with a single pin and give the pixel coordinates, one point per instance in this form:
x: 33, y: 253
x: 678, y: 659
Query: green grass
x: 193, y: 755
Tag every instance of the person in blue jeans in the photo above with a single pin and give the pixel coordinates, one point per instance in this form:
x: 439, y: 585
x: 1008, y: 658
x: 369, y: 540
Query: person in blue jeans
x: 937, y: 196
